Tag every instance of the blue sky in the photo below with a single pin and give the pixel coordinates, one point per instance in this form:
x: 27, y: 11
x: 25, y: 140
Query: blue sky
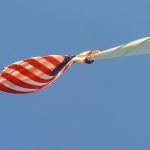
x: 104, y: 105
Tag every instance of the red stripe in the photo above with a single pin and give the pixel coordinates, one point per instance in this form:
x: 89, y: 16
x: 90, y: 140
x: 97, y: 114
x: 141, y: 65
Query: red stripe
x: 27, y: 73
x: 38, y: 65
x: 6, y: 89
x: 19, y: 82
x: 52, y: 60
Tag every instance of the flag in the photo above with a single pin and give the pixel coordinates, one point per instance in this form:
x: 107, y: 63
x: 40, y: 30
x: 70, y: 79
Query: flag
x: 35, y: 73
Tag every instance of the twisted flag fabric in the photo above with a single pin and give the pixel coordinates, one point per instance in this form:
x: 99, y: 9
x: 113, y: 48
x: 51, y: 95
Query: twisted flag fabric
x: 35, y: 73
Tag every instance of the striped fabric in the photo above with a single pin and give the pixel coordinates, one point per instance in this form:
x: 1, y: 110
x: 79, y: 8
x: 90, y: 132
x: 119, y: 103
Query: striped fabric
x: 35, y: 73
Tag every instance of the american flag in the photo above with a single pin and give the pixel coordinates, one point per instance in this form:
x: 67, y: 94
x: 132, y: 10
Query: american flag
x: 35, y: 73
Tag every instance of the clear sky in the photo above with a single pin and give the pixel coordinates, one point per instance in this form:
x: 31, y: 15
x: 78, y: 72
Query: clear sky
x: 102, y: 106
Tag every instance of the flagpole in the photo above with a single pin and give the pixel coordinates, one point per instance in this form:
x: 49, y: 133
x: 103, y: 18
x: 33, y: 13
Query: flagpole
x: 137, y: 47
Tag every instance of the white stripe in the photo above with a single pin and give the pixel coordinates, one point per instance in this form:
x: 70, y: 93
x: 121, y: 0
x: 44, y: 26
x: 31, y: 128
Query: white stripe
x: 45, y: 63
x: 12, y: 86
x: 80, y: 58
x: 34, y: 70
x: 22, y: 77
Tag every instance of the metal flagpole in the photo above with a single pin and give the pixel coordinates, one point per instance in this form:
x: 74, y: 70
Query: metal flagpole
x: 137, y: 47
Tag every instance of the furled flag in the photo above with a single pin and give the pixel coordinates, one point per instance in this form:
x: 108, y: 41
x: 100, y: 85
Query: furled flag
x: 35, y: 73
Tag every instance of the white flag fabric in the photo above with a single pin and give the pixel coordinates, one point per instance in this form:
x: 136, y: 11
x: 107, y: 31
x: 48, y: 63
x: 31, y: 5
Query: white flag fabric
x: 137, y: 47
